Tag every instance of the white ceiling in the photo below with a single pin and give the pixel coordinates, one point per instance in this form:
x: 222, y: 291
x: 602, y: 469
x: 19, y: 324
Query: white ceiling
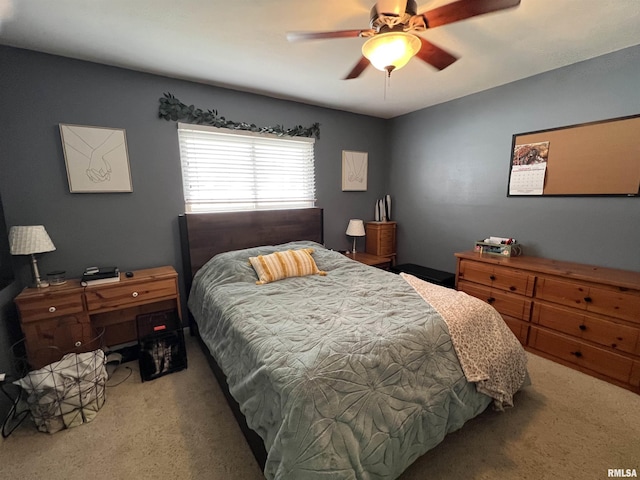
x: 241, y: 44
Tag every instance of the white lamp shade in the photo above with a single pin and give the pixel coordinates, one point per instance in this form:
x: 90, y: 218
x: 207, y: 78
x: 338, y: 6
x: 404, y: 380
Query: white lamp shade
x: 355, y: 228
x: 26, y: 240
x: 391, y: 51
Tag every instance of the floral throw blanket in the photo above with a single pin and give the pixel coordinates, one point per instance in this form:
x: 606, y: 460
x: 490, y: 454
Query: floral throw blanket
x: 490, y: 354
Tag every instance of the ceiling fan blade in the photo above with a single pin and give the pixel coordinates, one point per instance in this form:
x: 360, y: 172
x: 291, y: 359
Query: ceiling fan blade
x: 463, y: 9
x: 301, y: 36
x: 434, y: 55
x: 358, y: 69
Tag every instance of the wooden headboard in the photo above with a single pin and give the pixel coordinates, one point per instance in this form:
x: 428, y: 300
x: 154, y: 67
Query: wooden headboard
x: 203, y: 235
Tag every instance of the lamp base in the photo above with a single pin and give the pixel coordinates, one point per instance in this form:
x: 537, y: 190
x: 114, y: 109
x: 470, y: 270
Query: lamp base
x: 37, y: 282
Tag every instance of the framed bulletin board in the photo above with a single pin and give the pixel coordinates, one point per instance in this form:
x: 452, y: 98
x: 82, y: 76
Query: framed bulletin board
x: 598, y: 158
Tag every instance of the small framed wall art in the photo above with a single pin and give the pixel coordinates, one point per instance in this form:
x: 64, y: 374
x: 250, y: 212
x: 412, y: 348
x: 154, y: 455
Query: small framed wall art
x: 354, y: 171
x: 96, y: 159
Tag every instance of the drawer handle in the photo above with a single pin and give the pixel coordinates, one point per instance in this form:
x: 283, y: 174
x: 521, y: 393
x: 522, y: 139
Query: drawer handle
x: 78, y: 344
x: 492, y: 277
x: 582, y: 327
x: 490, y: 300
x: 52, y: 309
x: 577, y: 354
x: 134, y: 294
x: 587, y: 299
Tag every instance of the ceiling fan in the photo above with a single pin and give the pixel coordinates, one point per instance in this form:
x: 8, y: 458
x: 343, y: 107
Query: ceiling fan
x: 392, y: 39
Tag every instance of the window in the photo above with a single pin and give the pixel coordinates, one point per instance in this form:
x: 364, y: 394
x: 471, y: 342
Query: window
x: 225, y: 170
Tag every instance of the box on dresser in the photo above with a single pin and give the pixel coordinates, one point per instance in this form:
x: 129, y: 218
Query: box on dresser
x: 582, y: 316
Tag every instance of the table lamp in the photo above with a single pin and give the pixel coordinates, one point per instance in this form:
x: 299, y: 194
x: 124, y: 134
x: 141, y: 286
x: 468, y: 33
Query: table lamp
x: 355, y: 229
x: 29, y: 240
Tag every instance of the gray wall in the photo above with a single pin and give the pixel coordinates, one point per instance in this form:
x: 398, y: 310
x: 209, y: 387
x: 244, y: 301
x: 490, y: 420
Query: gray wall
x: 450, y: 168
x: 139, y: 229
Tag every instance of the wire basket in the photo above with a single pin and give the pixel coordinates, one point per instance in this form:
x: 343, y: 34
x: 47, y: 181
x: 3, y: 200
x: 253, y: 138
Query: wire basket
x: 66, y: 393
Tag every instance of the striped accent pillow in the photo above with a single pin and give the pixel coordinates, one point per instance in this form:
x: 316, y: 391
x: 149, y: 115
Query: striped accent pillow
x: 279, y: 265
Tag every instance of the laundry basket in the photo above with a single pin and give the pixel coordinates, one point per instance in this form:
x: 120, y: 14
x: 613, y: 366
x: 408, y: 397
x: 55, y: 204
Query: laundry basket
x: 66, y: 393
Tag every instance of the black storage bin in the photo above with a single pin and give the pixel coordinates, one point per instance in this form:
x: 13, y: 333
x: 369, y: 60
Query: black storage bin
x: 427, y: 274
x: 161, y: 341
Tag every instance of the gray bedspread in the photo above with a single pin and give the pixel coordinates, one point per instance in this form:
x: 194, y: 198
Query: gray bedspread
x: 351, y: 375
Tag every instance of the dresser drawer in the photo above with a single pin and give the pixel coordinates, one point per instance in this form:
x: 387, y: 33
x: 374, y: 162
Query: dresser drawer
x: 612, y: 302
x: 635, y: 375
x: 509, y: 279
x: 587, y: 327
x: 387, y: 234
x: 506, y: 303
x: 49, y: 306
x: 386, y: 248
x: 519, y: 328
x: 48, y: 340
x: 129, y: 294
x: 586, y: 356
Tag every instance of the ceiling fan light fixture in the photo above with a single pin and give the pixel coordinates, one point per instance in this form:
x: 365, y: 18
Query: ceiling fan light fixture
x: 391, y: 51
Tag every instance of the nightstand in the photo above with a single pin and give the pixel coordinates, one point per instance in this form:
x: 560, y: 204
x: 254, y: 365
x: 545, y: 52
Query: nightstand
x: 369, y: 259
x: 72, y: 318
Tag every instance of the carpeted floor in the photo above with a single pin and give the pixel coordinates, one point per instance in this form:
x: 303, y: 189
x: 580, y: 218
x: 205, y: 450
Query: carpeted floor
x: 565, y: 426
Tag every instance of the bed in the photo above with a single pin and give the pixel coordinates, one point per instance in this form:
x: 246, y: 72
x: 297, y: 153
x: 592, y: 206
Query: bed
x: 349, y: 372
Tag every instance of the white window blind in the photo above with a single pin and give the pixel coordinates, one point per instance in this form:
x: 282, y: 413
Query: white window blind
x: 225, y: 170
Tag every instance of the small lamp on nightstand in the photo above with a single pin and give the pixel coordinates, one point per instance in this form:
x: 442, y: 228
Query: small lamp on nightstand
x: 355, y: 229
x: 29, y: 240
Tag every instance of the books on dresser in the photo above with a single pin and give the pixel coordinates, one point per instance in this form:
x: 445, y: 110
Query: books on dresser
x: 101, y: 275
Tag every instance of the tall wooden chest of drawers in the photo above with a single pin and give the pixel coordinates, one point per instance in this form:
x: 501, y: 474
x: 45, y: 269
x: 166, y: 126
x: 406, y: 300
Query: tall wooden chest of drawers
x: 381, y: 239
x: 582, y: 316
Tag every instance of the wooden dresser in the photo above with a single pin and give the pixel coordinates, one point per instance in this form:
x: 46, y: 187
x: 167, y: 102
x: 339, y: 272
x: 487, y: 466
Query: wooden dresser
x: 73, y: 318
x: 582, y: 316
x: 381, y: 239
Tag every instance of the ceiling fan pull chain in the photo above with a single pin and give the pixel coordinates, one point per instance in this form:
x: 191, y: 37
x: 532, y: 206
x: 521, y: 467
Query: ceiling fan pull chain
x: 387, y: 79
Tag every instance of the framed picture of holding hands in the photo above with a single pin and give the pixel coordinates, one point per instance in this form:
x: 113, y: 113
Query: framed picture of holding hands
x: 96, y: 159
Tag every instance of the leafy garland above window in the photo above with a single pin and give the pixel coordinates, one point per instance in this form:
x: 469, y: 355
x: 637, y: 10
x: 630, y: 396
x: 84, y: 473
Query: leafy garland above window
x: 173, y: 109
